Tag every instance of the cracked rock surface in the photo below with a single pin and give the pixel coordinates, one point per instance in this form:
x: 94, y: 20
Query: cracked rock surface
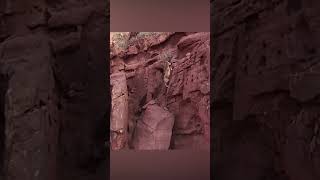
x: 265, y: 80
x: 167, y: 78
x: 52, y: 96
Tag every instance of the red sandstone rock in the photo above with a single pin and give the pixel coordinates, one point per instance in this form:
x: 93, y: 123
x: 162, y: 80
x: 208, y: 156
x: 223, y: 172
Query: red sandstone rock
x: 154, y: 130
x: 119, y: 115
x: 186, y: 97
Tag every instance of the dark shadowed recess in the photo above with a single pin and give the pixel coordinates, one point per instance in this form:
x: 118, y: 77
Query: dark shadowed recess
x: 3, y: 89
x: 84, y: 107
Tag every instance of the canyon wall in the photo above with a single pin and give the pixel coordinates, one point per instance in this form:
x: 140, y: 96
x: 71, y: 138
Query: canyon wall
x: 264, y: 77
x: 54, y: 92
x: 265, y: 85
x: 168, y: 105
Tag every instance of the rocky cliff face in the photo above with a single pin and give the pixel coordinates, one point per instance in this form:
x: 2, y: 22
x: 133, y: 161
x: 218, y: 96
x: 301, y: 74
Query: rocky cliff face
x: 52, y: 95
x: 165, y: 104
x: 265, y: 80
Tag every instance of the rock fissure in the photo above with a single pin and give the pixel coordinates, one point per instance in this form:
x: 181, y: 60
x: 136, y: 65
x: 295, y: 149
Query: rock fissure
x: 158, y: 79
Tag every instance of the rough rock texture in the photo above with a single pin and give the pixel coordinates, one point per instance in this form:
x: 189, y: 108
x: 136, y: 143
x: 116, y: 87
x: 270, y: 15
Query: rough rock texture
x: 119, y: 115
x: 31, y: 121
x: 188, y: 92
x: 131, y: 43
x: 152, y: 106
x: 265, y: 80
x: 154, y: 130
x: 53, y: 89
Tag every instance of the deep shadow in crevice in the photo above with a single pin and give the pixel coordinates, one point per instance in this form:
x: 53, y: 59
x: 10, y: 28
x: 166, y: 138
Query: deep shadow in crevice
x: 3, y: 90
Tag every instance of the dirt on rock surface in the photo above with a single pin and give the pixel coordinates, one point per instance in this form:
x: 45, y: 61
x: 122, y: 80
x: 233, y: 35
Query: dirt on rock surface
x: 167, y: 78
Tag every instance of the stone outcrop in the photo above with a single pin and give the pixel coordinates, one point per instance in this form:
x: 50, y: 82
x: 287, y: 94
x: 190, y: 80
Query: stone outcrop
x: 167, y: 112
x: 52, y: 97
x: 189, y: 92
x: 154, y: 130
x: 31, y: 121
x: 119, y: 115
x: 265, y: 81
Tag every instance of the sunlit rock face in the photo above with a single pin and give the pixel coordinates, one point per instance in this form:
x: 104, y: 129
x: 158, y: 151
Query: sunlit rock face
x: 154, y: 130
x: 167, y: 77
x: 119, y: 115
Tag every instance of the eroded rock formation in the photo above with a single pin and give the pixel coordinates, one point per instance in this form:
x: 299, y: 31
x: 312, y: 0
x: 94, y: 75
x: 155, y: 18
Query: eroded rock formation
x: 154, y: 130
x: 265, y: 80
x: 52, y: 96
x: 119, y: 115
x: 167, y: 75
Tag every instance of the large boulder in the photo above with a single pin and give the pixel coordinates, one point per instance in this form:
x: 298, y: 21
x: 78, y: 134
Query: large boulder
x: 154, y: 130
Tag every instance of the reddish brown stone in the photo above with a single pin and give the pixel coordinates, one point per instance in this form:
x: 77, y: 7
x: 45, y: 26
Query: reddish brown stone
x: 265, y: 80
x: 185, y: 101
x: 119, y: 115
x: 154, y: 130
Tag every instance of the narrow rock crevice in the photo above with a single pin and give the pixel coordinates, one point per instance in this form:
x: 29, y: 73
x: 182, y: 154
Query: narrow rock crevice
x: 3, y: 90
